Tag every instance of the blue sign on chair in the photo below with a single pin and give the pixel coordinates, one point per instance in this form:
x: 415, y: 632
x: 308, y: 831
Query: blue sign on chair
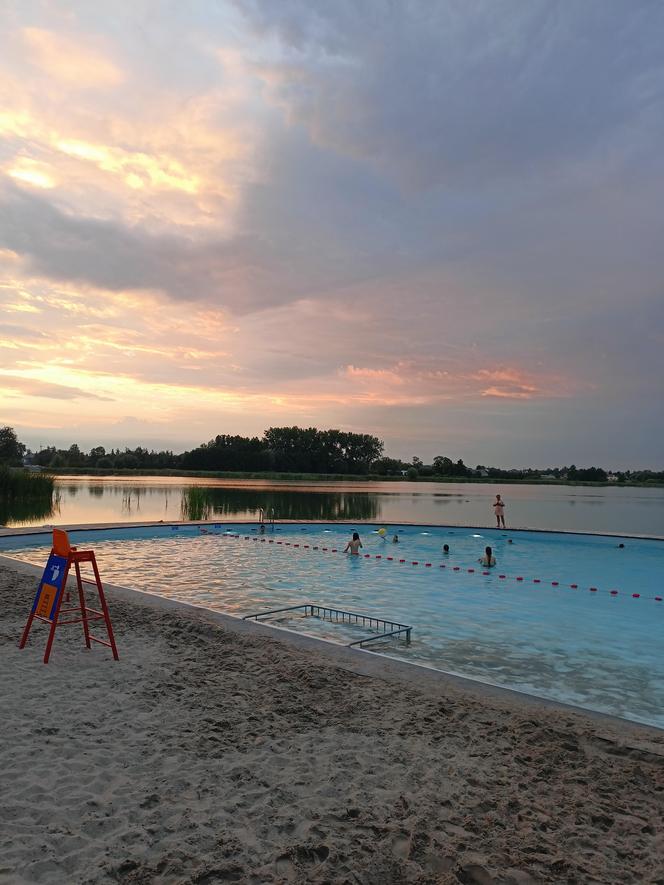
x: 50, y: 587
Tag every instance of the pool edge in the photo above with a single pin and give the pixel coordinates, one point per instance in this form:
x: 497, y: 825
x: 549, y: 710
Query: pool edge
x: 11, y: 531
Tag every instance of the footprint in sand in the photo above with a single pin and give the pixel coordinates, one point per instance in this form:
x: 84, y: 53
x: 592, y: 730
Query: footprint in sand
x: 300, y: 856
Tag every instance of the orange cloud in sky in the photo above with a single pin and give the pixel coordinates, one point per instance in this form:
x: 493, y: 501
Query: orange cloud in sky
x: 139, y: 170
x: 31, y: 172
x: 14, y: 122
x: 510, y: 383
x: 71, y: 60
x: 171, y: 160
x: 410, y: 382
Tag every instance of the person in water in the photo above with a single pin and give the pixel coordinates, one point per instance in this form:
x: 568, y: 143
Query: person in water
x: 395, y: 539
x: 488, y: 559
x: 446, y: 549
x: 354, y: 545
x: 499, y: 510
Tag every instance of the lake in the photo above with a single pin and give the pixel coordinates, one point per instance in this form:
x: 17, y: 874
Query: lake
x: 88, y: 499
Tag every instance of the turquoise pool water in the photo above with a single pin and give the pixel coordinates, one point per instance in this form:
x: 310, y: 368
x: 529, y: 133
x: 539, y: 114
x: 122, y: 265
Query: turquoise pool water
x: 598, y: 648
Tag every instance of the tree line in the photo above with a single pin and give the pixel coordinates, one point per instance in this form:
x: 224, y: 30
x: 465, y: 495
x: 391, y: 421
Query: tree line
x: 295, y: 450
x: 280, y: 449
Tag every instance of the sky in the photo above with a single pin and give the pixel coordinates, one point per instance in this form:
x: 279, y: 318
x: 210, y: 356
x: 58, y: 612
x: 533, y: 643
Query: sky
x: 437, y: 222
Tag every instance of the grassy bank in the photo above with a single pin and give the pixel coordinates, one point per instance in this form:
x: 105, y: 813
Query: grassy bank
x: 16, y: 483
x: 333, y: 477
x: 25, y: 496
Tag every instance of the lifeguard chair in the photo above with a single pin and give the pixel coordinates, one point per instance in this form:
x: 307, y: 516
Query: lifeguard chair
x: 47, y: 606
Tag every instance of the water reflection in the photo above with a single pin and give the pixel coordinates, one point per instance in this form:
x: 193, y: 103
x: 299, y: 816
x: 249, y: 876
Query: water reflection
x: 28, y: 511
x: 114, y: 499
x: 207, y: 503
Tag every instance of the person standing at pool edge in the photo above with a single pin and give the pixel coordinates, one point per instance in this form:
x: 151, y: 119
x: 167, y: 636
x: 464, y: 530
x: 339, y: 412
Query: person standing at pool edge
x: 499, y: 510
x: 354, y: 545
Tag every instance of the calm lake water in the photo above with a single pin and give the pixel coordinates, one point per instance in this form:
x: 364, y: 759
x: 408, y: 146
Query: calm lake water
x: 577, y: 508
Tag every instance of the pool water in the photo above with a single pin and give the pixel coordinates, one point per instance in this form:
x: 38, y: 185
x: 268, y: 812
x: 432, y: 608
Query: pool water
x: 600, y: 649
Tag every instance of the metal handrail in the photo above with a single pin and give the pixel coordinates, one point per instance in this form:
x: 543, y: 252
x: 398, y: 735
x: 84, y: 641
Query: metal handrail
x: 265, y: 517
x: 327, y: 612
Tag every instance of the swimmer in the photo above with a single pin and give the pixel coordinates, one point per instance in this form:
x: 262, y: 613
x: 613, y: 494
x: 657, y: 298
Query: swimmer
x: 488, y: 559
x: 621, y: 546
x: 446, y: 549
x: 510, y: 541
x: 395, y: 539
x: 354, y: 545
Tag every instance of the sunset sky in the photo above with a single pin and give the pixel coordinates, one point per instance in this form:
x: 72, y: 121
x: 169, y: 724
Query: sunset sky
x: 437, y: 222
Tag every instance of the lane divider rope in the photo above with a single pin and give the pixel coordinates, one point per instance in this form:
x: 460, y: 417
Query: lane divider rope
x: 454, y: 568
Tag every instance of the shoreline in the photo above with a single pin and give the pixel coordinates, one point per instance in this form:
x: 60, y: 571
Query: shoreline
x: 370, y: 479
x: 213, y: 754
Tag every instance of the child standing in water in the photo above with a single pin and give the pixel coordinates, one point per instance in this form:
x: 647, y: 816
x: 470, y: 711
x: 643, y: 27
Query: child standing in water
x: 354, y: 545
x: 499, y: 510
x: 488, y: 559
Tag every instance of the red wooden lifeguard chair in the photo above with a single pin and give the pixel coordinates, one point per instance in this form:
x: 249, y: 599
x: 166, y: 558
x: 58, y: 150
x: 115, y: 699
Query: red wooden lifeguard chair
x: 53, y: 586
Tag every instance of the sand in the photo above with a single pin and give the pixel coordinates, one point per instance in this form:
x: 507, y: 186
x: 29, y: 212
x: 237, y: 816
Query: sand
x: 209, y: 755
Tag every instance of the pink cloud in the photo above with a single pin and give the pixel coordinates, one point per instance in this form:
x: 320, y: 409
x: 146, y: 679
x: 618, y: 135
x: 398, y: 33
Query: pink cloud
x: 411, y: 381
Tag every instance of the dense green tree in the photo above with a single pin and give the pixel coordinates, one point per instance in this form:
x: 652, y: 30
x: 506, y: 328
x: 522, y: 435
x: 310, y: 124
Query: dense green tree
x: 226, y: 452
x: 11, y: 450
x: 387, y: 466
x: 309, y: 450
x: 443, y: 466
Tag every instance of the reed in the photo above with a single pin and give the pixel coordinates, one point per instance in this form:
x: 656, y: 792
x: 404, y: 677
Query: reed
x: 195, y: 503
x: 24, y: 496
x: 16, y: 483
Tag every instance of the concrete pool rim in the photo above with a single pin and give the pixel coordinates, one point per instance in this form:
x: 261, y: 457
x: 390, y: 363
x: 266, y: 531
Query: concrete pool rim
x: 46, y: 528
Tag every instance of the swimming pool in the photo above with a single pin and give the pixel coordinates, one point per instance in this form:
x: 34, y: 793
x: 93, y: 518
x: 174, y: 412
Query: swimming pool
x: 568, y: 617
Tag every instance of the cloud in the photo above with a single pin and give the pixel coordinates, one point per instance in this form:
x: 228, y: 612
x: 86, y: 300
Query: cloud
x: 439, y: 93
x: 74, y: 61
x: 115, y: 257
x: 430, y: 221
x: 245, y: 273
x: 439, y: 381
x: 21, y: 332
x: 10, y: 384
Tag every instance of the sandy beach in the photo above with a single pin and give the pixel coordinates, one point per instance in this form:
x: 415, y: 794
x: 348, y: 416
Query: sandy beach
x: 209, y: 755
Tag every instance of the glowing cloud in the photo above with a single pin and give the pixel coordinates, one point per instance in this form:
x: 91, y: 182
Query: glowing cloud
x: 138, y: 169
x: 32, y: 173
x: 70, y: 60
